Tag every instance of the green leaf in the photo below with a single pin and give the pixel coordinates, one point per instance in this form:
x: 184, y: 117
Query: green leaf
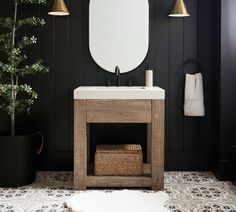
x: 5, y: 90
x: 37, y: 67
x: 20, y: 105
x: 6, y: 23
x: 26, y: 41
x: 17, y: 97
x: 7, y: 67
x: 15, y: 57
x: 41, y: 2
x: 5, y: 42
x: 32, y: 21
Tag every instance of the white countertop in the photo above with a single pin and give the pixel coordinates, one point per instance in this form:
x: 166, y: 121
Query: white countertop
x: 122, y: 92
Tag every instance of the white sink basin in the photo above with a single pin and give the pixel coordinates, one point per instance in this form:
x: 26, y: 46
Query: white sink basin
x: 122, y: 92
x: 117, y: 88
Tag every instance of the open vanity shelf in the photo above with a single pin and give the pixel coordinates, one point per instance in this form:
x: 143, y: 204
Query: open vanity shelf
x: 133, y: 109
x: 120, y: 181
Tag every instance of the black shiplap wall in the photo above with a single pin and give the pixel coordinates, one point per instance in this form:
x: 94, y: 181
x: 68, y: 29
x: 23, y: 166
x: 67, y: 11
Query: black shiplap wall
x: 63, y: 44
x: 224, y: 101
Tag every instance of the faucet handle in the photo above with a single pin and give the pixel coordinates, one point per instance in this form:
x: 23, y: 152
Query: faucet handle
x: 117, y: 70
x: 108, y: 84
x: 130, y: 83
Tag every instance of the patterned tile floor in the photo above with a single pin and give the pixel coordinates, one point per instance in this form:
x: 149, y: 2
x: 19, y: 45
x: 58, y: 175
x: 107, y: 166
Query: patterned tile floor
x: 188, y: 191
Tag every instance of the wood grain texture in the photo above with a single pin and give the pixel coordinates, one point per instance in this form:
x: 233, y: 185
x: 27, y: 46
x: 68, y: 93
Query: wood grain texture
x: 156, y: 142
x: 117, y: 181
x: 80, y: 144
x: 157, y: 150
x: 119, y: 111
x: 88, y: 142
x: 132, y: 105
x: 146, y: 169
x: 149, y: 142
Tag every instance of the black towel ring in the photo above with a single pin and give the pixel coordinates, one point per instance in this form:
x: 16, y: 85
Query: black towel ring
x: 193, y: 62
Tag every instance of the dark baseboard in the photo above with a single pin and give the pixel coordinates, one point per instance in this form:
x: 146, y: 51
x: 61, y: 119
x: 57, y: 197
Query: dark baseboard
x: 55, y: 161
x: 174, y: 161
x: 223, y: 170
x: 181, y: 161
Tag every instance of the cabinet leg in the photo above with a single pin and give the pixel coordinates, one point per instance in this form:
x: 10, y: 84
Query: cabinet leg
x: 80, y: 145
x: 157, y: 150
x: 157, y: 186
x: 79, y: 186
x: 149, y: 142
x: 88, y: 143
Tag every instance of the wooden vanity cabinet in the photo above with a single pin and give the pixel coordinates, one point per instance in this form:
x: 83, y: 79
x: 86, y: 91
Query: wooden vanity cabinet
x: 88, y: 111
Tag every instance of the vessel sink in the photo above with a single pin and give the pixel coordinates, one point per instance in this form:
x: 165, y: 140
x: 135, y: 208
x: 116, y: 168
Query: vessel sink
x: 122, y: 92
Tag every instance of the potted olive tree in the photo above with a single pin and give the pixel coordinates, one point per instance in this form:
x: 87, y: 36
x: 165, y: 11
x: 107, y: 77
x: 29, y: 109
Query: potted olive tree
x: 17, y: 147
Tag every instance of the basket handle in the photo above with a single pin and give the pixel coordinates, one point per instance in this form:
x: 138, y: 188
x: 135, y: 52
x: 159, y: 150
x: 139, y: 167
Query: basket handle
x: 40, y: 148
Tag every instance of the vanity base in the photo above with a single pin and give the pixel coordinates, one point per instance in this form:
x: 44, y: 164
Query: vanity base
x: 118, y: 181
x: 119, y: 111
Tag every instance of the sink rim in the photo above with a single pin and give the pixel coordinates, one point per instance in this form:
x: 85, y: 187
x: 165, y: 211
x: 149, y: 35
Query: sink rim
x: 108, y: 88
x: 117, y: 88
x: 122, y: 92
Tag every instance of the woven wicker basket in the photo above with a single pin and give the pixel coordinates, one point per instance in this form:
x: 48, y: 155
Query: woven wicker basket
x: 119, y: 160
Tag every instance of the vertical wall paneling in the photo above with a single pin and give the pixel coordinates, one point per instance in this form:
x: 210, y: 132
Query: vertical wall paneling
x: 61, y: 84
x: 225, y: 100
x: 176, y: 83
x: 216, y: 76
x: 64, y: 47
x: 151, y: 57
x: 106, y: 78
x: 204, y: 143
x: 162, y: 32
x: 191, y: 51
x: 47, y: 45
x: 76, y: 57
x: 90, y: 71
x: 134, y: 77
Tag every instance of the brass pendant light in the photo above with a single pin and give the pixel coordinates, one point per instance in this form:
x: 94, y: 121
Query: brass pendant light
x: 179, y: 9
x: 59, y: 8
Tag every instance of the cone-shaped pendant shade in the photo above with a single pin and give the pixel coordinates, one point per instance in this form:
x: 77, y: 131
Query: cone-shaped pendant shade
x: 179, y: 9
x: 59, y: 8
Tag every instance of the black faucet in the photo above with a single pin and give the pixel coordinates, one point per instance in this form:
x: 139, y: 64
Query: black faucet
x: 117, y: 73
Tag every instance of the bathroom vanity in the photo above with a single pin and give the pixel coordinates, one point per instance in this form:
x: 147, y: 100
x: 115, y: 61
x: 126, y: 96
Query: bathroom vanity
x: 119, y: 105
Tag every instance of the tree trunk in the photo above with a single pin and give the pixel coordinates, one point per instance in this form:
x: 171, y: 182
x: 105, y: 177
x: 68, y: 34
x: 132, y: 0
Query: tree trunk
x: 13, y: 92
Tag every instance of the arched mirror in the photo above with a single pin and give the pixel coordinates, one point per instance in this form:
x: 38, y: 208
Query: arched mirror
x: 118, y: 33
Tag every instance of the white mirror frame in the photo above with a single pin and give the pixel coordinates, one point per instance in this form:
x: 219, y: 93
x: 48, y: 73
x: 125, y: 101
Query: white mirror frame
x: 118, y: 33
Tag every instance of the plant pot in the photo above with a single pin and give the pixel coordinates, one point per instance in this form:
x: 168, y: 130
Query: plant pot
x: 17, y: 158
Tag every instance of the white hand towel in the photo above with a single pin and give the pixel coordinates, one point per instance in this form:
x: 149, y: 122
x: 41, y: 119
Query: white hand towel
x: 194, y: 97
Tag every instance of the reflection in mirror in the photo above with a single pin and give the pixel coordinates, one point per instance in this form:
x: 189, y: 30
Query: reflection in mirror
x: 118, y: 33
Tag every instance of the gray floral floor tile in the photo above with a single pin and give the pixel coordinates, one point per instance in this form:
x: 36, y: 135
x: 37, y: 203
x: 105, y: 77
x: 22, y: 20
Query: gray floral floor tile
x: 188, y: 192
